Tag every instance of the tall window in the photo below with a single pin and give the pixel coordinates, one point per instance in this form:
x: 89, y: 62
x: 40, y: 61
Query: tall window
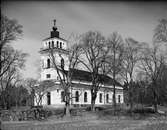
x: 100, y: 97
x: 76, y: 96
x: 60, y: 44
x: 52, y: 44
x: 85, y: 97
x: 107, y: 98
x: 57, y: 44
x: 62, y: 63
x: 49, y: 44
x: 119, y: 98
x: 62, y: 96
x: 48, y: 98
x: 48, y: 63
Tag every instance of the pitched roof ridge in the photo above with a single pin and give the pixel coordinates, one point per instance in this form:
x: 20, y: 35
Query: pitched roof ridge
x: 85, y: 75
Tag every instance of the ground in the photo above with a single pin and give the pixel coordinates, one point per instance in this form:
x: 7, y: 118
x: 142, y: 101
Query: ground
x: 91, y: 121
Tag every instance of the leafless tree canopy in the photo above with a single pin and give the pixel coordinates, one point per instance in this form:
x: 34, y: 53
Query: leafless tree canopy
x: 160, y: 32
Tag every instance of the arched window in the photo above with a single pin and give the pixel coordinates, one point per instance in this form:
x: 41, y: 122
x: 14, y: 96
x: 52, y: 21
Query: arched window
x: 48, y: 63
x: 52, y: 44
x: 76, y: 96
x: 48, y: 98
x: 57, y: 44
x: 62, y: 63
x: 100, y: 97
x: 60, y: 44
x: 62, y: 96
x: 107, y: 98
x: 119, y: 98
x: 85, y: 97
x: 49, y: 44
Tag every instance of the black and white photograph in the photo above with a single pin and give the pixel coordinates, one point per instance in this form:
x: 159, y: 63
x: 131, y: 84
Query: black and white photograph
x: 83, y: 65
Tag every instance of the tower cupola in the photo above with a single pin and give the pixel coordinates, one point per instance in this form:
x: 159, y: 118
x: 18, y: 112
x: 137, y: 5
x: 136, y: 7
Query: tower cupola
x: 54, y: 41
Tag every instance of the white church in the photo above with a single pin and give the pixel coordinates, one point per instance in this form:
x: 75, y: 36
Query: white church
x: 81, y: 80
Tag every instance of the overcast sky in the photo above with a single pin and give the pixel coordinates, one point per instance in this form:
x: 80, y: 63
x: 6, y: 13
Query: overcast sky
x: 130, y: 19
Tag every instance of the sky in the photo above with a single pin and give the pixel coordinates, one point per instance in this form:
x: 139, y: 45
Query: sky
x: 130, y: 19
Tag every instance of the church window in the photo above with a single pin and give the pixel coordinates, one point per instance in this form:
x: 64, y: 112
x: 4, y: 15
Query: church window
x: 100, y: 97
x: 62, y: 96
x: 60, y: 44
x: 49, y: 44
x: 107, y: 98
x: 57, y: 44
x: 48, y: 63
x: 76, y: 96
x: 47, y: 76
x: 85, y: 97
x: 62, y: 63
x: 52, y: 44
x: 119, y: 98
x: 48, y: 98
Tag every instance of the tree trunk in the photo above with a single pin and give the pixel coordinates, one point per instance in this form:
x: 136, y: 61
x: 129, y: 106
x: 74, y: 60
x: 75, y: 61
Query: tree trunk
x: 16, y: 105
x: 130, y: 97
x: 4, y: 100
x: 155, y: 102
x: 130, y: 101
x: 0, y: 59
x: 93, y: 98
x: 67, y: 110
x: 92, y: 105
x: 67, y: 107
x: 114, y: 101
x: 114, y: 69
x: 155, y: 107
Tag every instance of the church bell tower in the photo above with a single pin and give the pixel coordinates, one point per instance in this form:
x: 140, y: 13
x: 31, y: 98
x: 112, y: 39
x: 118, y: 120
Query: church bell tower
x: 60, y: 50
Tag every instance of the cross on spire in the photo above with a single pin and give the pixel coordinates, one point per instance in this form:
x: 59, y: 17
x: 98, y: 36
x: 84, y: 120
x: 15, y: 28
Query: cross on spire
x: 54, y: 22
x: 54, y: 26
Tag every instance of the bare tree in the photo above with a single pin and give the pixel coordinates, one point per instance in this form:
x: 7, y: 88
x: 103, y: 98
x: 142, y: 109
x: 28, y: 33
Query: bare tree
x: 163, y: 86
x: 10, y: 31
x: 115, y: 58
x: 15, y: 61
x: 65, y: 74
x: 153, y: 64
x: 93, y: 56
x: 160, y: 32
x: 30, y: 84
x: 41, y: 88
x: 130, y: 62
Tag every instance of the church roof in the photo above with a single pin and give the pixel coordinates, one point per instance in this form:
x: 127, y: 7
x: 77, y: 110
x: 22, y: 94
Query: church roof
x: 53, y: 38
x: 81, y: 75
x: 61, y: 50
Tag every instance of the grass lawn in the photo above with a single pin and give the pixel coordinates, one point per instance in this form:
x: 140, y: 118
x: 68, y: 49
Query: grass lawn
x: 92, y: 121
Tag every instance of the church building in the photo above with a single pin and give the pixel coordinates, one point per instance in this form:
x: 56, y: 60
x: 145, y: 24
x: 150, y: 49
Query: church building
x: 81, y: 80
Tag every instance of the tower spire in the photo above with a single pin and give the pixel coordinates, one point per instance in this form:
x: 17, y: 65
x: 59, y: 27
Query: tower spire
x: 54, y: 25
x: 54, y: 32
x: 54, y: 22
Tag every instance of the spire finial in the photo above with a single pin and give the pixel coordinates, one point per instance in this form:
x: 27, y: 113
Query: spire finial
x: 54, y: 22
x: 54, y: 26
